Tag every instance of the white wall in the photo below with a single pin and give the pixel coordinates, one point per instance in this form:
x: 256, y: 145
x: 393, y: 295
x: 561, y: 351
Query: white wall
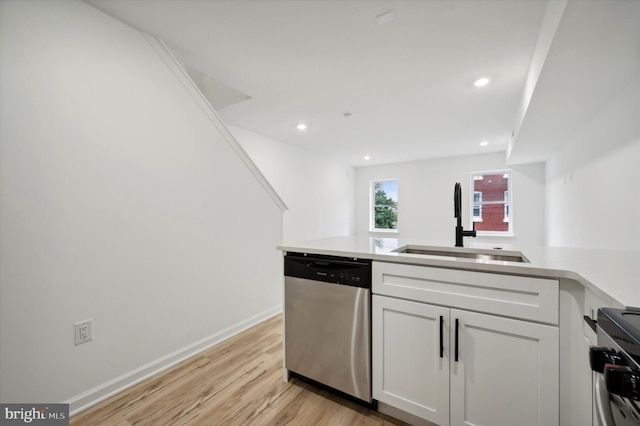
x: 318, y: 191
x: 120, y: 202
x: 593, y: 196
x: 425, y: 198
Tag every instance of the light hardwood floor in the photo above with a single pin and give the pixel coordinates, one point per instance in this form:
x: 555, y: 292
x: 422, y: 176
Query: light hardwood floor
x: 238, y: 382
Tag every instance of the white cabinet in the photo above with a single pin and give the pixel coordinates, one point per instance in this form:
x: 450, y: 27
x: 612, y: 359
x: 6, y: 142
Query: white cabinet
x: 586, y: 380
x: 408, y: 371
x: 528, y: 298
x: 506, y: 372
x: 587, y: 377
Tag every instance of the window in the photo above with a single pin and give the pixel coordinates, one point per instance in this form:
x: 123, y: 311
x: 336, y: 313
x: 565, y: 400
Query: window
x: 506, y: 206
x: 491, y: 208
x: 384, y: 206
x: 477, y: 206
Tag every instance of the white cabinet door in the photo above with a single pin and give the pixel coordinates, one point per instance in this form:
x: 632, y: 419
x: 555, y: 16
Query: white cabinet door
x: 410, y: 371
x: 585, y: 384
x: 506, y: 373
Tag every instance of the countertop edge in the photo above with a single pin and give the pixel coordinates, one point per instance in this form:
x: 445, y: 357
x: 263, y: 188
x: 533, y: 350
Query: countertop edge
x: 510, y: 268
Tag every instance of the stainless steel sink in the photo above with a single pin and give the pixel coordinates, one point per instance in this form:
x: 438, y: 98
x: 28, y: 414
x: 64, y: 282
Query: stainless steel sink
x: 495, y: 255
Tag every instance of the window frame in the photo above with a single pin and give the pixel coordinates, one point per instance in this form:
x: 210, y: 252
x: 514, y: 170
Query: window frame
x: 507, y: 206
x: 372, y: 198
x: 475, y: 218
x: 508, y: 203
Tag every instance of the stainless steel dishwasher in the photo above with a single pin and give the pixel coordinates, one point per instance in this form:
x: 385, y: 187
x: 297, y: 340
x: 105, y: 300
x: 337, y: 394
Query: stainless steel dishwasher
x: 327, y: 321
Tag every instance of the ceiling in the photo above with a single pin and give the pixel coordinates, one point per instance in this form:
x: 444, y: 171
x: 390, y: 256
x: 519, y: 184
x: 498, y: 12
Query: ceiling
x: 407, y: 83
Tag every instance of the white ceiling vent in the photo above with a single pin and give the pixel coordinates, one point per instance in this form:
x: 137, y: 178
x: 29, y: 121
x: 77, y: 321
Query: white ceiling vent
x: 386, y: 17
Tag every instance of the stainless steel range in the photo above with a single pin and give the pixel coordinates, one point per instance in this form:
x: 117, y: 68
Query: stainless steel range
x: 617, y: 359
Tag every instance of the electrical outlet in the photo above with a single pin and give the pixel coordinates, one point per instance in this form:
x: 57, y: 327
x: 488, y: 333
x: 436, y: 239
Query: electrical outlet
x: 83, y: 331
x: 568, y: 178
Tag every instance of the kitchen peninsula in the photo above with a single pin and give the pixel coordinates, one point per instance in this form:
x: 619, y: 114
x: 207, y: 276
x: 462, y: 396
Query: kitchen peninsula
x: 459, y: 330
x: 610, y: 274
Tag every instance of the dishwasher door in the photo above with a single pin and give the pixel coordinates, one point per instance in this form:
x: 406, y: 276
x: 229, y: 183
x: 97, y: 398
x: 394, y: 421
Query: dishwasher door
x: 328, y: 334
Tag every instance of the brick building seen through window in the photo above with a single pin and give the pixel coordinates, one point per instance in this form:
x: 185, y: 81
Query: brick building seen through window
x: 491, y: 202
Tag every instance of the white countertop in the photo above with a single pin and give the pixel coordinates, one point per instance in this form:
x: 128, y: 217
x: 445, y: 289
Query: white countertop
x: 613, y: 276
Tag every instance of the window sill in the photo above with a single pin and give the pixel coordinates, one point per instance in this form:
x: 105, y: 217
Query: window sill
x: 494, y: 234
x: 384, y: 231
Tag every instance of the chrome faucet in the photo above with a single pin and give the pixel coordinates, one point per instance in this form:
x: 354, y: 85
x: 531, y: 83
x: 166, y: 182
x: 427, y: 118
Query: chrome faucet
x: 457, y: 213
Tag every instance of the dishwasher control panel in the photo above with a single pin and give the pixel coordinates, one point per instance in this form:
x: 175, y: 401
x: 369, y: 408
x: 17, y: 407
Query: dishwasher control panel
x: 330, y: 269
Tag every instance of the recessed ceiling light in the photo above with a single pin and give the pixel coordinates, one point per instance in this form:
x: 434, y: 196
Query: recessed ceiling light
x: 302, y: 126
x: 484, y: 143
x: 481, y: 82
x: 367, y: 157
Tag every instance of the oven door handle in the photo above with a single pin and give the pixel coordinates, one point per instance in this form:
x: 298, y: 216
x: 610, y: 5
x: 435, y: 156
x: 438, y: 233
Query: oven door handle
x: 602, y: 402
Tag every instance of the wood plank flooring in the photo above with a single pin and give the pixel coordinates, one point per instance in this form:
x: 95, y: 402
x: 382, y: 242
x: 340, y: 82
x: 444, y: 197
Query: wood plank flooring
x: 238, y: 382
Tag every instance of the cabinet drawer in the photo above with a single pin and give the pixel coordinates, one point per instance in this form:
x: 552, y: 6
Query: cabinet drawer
x: 528, y: 298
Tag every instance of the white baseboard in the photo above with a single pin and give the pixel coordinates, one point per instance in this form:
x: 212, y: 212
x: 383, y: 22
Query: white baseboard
x: 101, y: 392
